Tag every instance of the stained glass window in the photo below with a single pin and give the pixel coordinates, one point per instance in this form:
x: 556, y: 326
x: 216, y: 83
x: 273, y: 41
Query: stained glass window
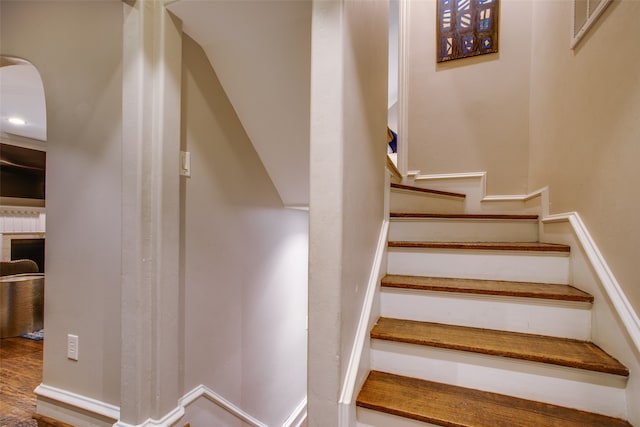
x: 466, y: 28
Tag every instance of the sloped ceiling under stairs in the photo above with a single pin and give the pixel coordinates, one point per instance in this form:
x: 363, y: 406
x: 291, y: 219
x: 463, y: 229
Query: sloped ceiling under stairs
x: 261, y: 52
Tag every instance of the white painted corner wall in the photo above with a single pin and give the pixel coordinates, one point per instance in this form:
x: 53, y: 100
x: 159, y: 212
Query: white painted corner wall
x: 348, y: 149
x: 244, y: 263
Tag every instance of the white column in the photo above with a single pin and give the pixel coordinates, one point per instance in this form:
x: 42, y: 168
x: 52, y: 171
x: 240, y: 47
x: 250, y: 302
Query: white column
x: 325, y: 212
x: 403, y: 86
x: 150, y: 299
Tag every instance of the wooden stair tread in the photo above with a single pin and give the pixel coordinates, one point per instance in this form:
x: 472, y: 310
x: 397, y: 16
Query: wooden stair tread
x: 493, y: 246
x: 419, y: 215
x: 427, y: 190
x: 454, y: 406
x: 536, y: 348
x: 487, y: 287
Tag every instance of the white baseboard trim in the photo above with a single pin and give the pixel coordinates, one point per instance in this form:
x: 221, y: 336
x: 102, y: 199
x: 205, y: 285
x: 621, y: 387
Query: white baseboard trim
x: 348, y: 388
x: 612, y: 288
x: 296, y: 207
x: 298, y: 416
x: 505, y: 197
x: 85, y: 403
x: 204, y: 391
x: 166, y: 421
x: 515, y: 197
x: 439, y: 176
x: 98, y: 408
x: 474, y: 185
x: 481, y: 177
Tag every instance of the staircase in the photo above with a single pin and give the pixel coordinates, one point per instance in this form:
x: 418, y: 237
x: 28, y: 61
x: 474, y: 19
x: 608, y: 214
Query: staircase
x: 480, y: 327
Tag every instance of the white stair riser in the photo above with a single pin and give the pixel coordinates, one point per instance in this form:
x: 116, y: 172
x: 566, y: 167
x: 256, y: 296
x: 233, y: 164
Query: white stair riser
x: 574, y: 388
x: 406, y: 201
x: 476, y: 264
x: 533, y: 316
x: 459, y: 230
x: 371, y: 418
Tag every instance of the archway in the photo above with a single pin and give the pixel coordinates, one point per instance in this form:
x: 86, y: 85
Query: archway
x: 23, y: 133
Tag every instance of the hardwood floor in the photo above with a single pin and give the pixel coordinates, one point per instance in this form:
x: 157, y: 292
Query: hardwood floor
x: 20, y: 374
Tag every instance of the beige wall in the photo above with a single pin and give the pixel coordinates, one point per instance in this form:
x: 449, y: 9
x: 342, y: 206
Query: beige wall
x: 348, y: 128
x: 244, y: 262
x: 585, y: 130
x: 546, y: 115
x: 471, y: 114
x: 77, y: 47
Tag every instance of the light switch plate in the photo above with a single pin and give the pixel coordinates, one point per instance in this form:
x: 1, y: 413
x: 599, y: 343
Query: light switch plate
x: 72, y: 347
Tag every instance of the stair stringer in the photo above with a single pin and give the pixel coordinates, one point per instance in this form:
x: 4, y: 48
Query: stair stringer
x: 614, y: 324
x: 359, y: 363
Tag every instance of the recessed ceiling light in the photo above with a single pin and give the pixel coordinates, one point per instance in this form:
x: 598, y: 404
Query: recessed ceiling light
x: 17, y: 121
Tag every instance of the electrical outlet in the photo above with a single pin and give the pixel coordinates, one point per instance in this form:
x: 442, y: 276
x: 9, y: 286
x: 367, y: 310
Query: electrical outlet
x: 72, y: 347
